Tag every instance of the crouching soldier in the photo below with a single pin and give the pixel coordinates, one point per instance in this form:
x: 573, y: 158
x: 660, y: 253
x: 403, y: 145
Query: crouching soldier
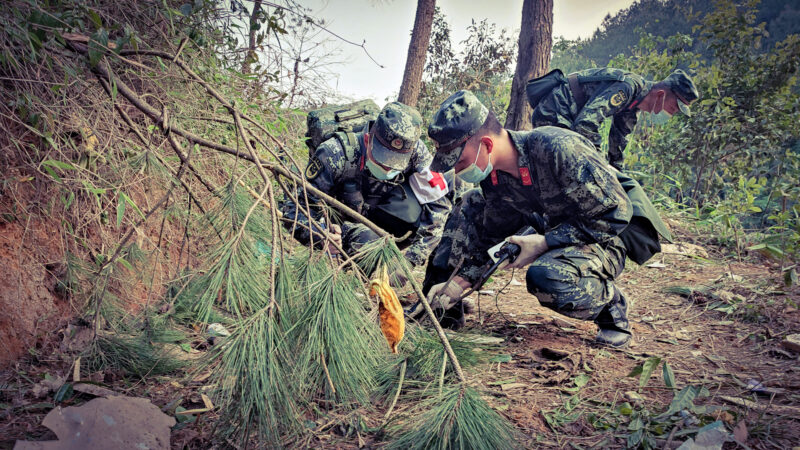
x: 550, y: 178
x: 582, y: 101
x: 383, y: 174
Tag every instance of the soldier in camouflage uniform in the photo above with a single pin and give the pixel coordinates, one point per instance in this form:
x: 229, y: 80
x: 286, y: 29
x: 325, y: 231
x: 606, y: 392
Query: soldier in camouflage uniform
x: 583, y: 100
x: 550, y: 178
x: 385, y: 176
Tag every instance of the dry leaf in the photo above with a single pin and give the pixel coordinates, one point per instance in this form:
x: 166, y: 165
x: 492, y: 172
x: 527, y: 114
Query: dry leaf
x: 393, y: 324
x: 740, y: 431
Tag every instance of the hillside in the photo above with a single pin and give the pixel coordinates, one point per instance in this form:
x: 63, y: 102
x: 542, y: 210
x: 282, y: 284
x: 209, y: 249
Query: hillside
x: 620, y: 32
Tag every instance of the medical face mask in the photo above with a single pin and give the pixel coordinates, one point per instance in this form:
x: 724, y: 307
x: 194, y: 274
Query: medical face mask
x: 473, y: 173
x: 379, y: 172
x: 662, y: 116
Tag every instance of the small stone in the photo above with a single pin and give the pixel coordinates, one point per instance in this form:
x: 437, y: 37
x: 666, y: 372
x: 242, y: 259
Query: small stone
x: 792, y: 343
x: 633, y: 397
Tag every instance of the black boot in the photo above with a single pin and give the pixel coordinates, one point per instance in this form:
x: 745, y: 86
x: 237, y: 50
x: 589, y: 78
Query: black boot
x: 615, y: 330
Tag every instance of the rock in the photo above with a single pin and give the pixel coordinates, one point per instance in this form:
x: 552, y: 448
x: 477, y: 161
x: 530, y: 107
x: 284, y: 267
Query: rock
x: 634, y: 397
x: 216, y: 329
x: 113, y: 422
x: 792, y: 343
x: 46, y: 386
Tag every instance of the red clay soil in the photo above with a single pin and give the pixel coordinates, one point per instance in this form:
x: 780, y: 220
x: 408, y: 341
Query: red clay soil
x: 30, y: 252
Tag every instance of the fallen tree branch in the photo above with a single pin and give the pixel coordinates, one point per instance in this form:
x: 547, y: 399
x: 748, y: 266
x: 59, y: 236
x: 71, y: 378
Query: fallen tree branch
x: 103, y: 72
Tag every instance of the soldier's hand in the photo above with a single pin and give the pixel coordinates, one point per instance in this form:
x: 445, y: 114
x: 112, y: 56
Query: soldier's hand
x: 335, y: 236
x: 445, y: 295
x: 531, y: 247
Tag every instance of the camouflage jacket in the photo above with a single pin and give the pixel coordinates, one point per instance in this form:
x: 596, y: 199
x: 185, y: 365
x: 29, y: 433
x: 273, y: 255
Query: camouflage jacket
x: 566, y: 191
x: 331, y: 167
x: 610, y: 98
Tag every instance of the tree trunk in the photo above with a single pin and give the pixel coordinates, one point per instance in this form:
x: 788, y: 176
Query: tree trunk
x: 535, y: 44
x: 417, y: 50
x: 251, y: 56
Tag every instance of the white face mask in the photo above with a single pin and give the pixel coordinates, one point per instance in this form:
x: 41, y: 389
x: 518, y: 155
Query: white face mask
x: 381, y: 173
x: 473, y: 173
x: 662, y: 116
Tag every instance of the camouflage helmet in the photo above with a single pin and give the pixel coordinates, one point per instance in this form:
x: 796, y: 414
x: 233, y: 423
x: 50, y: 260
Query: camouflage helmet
x: 395, y: 135
x: 458, y: 119
x: 683, y: 87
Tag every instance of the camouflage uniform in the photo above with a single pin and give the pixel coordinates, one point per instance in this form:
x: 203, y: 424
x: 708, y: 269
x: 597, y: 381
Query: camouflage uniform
x: 334, y: 169
x: 615, y: 96
x: 570, y: 196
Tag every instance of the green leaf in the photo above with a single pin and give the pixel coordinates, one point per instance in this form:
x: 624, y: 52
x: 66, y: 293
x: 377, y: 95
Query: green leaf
x: 95, y: 18
x: 636, y: 371
x: 684, y: 399
x: 64, y: 392
x: 98, y: 43
x: 133, y: 205
x: 668, y: 375
x: 52, y: 173
x: 647, y: 369
x: 582, y: 380
x: 501, y: 358
x: 120, y: 210
x: 58, y: 164
x: 125, y: 263
x: 790, y: 277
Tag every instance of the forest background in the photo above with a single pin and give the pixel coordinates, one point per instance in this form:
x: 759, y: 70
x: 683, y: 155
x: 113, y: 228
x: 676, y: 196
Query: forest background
x: 133, y: 216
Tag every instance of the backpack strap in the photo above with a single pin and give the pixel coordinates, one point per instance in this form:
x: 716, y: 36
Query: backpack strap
x: 577, y: 90
x: 349, y: 142
x: 575, y: 82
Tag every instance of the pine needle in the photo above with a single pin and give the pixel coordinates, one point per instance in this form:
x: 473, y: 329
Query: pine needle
x: 256, y: 389
x: 339, y: 345
x: 457, y: 419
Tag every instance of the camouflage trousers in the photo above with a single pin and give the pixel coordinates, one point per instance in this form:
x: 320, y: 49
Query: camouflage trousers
x: 576, y: 281
x: 558, y: 108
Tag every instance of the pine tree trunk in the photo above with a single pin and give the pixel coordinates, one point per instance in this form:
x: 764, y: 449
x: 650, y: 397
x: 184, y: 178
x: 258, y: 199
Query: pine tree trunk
x: 417, y: 50
x: 535, y: 44
x: 251, y: 56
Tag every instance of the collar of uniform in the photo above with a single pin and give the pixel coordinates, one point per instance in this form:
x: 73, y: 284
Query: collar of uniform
x: 523, y: 161
x: 644, y: 89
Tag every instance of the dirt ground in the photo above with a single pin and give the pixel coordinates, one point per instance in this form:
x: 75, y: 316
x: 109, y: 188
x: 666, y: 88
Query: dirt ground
x: 553, y: 382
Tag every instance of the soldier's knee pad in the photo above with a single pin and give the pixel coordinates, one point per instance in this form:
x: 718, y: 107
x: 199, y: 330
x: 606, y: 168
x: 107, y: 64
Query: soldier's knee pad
x: 542, y: 278
x: 551, y: 286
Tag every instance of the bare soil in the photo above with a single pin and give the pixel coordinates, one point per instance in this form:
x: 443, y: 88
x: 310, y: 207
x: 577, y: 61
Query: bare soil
x: 722, y: 350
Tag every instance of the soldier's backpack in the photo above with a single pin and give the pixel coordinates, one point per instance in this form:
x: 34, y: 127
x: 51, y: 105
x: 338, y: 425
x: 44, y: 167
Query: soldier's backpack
x: 342, y: 121
x: 539, y: 87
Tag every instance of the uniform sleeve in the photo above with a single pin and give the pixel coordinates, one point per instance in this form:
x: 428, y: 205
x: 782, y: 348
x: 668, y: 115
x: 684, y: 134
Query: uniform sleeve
x: 496, y: 223
x: 621, y: 127
x: 604, y: 104
x: 429, y: 233
x: 434, y: 213
x: 321, y: 172
x: 598, y: 207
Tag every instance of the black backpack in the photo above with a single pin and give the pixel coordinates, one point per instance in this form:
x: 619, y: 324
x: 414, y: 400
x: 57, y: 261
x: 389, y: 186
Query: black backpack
x: 342, y: 121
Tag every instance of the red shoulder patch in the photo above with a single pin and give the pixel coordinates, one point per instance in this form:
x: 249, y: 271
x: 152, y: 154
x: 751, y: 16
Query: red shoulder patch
x: 525, y: 175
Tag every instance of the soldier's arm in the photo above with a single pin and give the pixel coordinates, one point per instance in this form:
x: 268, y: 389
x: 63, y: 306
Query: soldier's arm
x: 498, y: 222
x: 321, y: 173
x: 599, y: 208
x: 604, y: 104
x: 429, y: 233
x: 621, y: 127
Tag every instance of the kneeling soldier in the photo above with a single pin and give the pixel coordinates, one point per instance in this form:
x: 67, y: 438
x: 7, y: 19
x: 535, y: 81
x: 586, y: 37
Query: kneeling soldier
x: 383, y: 174
x: 550, y: 178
